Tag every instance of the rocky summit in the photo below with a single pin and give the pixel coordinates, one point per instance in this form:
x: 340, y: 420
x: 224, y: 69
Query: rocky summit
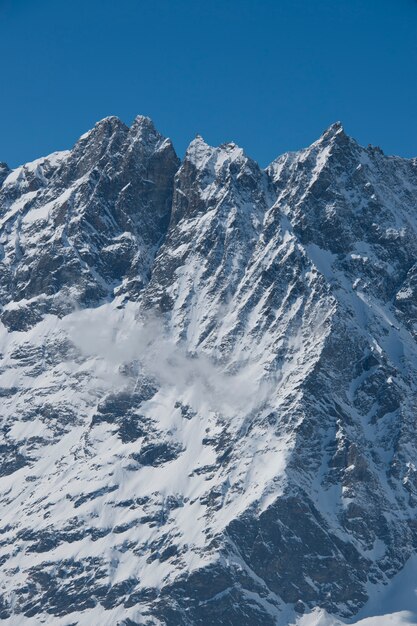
x: 208, y: 377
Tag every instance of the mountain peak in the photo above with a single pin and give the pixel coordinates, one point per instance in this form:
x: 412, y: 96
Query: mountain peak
x: 335, y: 128
x: 104, y: 127
x: 232, y: 149
x: 143, y: 121
x: 110, y: 120
x: 335, y: 133
x: 109, y: 125
x: 198, y: 140
x: 144, y: 131
x: 198, y: 152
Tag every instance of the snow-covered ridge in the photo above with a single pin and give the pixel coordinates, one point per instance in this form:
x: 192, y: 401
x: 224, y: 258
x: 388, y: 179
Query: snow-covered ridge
x: 207, y: 381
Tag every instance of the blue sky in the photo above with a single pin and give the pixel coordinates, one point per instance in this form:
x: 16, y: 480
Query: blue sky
x: 270, y: 75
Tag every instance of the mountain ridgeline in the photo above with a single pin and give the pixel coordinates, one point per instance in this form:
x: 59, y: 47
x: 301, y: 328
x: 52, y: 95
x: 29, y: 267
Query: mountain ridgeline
x: 208, y: 378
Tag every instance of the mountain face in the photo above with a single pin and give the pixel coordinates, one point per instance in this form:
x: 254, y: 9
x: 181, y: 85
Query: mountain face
x: 83, y: 226
x: 208, y: 382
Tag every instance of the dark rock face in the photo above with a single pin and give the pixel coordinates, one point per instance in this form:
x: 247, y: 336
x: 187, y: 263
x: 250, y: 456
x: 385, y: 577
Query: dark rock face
x: 207, y: 380
x: 293, y: 550
x: 83, y: 226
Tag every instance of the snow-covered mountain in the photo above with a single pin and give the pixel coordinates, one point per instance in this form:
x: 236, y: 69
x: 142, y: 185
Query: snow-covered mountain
x: 208, y: 384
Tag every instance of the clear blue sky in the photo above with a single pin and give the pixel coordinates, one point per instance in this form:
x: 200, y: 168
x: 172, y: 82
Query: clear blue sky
x: 267, y: 74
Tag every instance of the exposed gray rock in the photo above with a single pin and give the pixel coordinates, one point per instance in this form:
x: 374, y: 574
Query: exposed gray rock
x: 83, y: 226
